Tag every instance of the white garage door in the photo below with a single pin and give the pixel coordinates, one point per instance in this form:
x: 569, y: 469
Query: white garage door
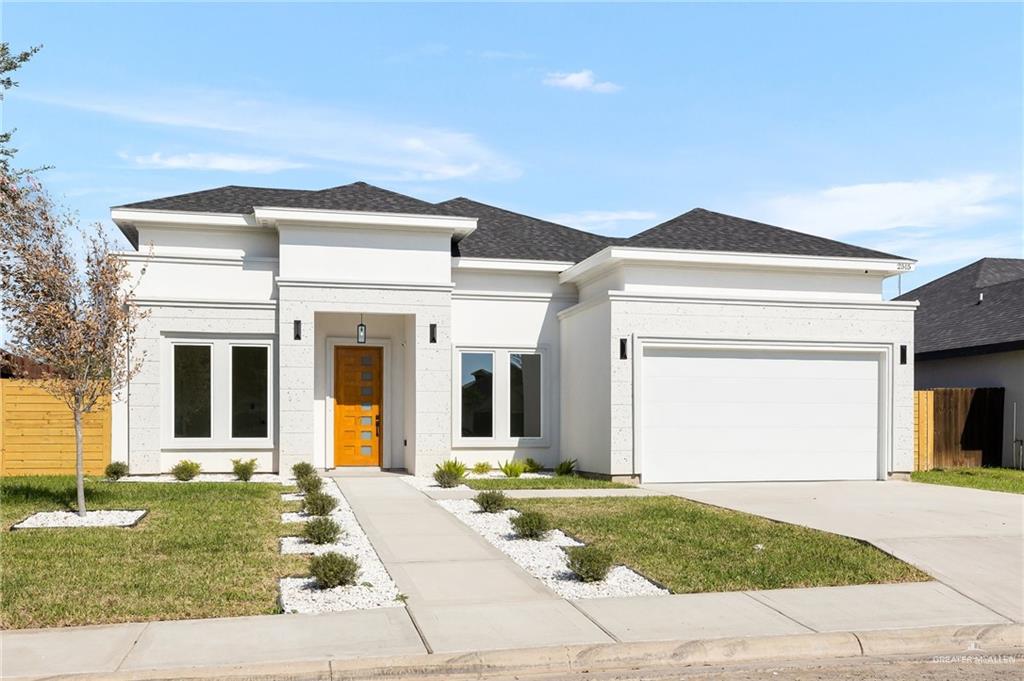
x: 728, y: 415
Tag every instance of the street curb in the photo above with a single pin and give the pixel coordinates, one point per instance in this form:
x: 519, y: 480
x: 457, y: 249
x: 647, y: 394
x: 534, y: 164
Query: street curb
x: 575, y: 659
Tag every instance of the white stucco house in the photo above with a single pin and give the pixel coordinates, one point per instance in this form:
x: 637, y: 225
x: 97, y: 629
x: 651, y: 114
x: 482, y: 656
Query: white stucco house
x: 354, y: 326
x: 970, y: 334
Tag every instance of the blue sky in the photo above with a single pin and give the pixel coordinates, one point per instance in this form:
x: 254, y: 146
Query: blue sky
x: 897, y: 127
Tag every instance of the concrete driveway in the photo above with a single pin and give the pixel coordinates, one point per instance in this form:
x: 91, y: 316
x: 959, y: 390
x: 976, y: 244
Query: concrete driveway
x: 970, y: 540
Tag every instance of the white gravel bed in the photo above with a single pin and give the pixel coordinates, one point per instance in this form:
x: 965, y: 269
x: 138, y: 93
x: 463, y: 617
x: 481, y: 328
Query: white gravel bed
x: 211, y: 477
x: 292, y: 496
x: 374, y: 587
x: 424, y: 483
x: 545, y: 559
x: 71, y: 519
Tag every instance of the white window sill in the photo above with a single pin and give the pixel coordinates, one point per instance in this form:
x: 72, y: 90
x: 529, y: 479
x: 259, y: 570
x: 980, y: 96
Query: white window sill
x: 491, y: 443
x: 199, y: 444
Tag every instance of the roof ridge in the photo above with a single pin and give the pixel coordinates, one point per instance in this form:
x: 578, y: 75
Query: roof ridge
x: 524, y: 215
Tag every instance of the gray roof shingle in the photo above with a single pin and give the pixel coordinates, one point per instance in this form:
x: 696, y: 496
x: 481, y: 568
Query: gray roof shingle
x: 504, y: 234
x: 501, y: 233
x: 704, y: 230
x: 952, y: 319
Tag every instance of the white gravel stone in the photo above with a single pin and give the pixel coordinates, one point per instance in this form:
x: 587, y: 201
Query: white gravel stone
x: 211, y: 477
x: 374, y: 587
x: 70, y: 519
x: 423, y: 483
x: 545, y: 559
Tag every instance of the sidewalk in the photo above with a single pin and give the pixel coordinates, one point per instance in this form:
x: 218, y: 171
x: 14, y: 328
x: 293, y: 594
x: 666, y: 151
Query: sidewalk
x: 465, y: 596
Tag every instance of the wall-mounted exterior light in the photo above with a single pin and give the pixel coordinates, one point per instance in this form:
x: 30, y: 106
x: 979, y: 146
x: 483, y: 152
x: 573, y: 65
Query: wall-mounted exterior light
x: 903, y: 354
x: 297, y: 329
x: 623, y: 348
x: 433, y: 333
x: 361, y: 331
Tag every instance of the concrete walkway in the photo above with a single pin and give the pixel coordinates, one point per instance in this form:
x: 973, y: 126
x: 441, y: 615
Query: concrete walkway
x: 970, y: 540
x: 463, y: 594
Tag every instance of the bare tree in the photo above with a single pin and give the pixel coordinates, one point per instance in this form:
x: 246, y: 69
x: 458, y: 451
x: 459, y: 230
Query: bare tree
x: 73, y: 318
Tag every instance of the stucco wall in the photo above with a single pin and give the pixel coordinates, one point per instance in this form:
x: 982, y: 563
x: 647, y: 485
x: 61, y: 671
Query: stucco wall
x: 586, y: 372
x: 997, y: 370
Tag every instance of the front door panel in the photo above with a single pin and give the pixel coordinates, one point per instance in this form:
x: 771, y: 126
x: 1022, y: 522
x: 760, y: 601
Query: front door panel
x: 358, y: 405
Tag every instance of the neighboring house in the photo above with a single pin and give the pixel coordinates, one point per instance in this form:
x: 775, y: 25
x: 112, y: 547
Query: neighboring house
x: 705, y: 348
x: 970, y: 334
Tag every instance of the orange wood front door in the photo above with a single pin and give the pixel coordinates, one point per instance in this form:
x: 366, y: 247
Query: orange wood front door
x: 358, y: 405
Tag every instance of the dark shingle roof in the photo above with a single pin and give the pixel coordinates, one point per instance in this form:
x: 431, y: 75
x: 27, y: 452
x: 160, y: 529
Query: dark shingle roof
x: 503, y: 234
x: 358, y: 196
x: 705, y: 230
x: 951, y: 320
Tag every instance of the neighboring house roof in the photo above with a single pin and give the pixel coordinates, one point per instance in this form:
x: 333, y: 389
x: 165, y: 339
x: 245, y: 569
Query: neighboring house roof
x: 501, y: 233
x: 953, y: 319
x: 507, y: 235
x: 704, y: 230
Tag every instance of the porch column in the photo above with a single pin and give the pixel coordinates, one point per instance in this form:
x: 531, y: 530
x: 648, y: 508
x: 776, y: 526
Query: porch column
x: 433, y: 393
x: 295, y: 382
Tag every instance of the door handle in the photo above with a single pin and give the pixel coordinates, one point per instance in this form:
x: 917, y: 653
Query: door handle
x: 377, y: 423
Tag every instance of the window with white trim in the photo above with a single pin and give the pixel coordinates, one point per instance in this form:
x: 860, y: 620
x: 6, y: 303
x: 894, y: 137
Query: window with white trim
x: 220, y: 393
x: 500, y: 396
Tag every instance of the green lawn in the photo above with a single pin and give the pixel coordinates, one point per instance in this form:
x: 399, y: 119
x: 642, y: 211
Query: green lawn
x: 556, y: 482
x: 204, y: 550
x: 993, y: 479
x: 689, y: 547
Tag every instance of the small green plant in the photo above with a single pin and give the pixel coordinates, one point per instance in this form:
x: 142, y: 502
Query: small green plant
x: 512, y: 468
x: 450, y: 473
x: 532, y: 465
x: 309, y: 483
x: 185, y: 470
x: 491, y: 501
x: 590, y: 563
x: 567, y: 467
x: 333, y: 569
x: 243, y: 469
x: 481, y: 467
x: 303, y: 468
x: 318, y: 503
x: 321, y: 530
x: 530, y: 525
x: 116, y: 470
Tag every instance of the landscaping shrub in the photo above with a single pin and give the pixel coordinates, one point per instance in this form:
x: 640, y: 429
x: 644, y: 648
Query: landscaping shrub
x: 116, y: 470
x: 567, y: 467
x: 243, y: 469
x: 303, y: 468
x: 491, y: 501
x: 512, y: 468
x: 450, y: 473
x: 333, y: 569
x: 185, y: 470
x: 318, y: 503
x: 481, y: 467
x: 309, y: 483
x: 532, y: 465
x: 531, y: 525
x: 321, y: 530
x: 590, y: 563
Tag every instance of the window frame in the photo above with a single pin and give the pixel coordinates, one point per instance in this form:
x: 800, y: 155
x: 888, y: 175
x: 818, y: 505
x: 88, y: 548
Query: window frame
x: 502, y: 438
x: 221, y: 360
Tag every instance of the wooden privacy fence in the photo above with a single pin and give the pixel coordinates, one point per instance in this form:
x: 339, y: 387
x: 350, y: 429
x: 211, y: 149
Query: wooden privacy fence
x: 958, y: 427
x: 37, y: 433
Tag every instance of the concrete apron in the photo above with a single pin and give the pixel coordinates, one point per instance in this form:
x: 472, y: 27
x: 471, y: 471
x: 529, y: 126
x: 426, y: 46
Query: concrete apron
x: 999, y: 639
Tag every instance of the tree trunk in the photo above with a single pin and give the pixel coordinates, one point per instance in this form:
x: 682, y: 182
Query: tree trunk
x: 79, y: 463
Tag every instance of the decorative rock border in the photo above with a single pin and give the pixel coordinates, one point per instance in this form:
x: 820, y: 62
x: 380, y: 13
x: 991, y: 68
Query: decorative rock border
x: 211, y: 477
x: 70, y: 519
x: 545, y: 558
x: 427, y: 483
x: 375, y: 589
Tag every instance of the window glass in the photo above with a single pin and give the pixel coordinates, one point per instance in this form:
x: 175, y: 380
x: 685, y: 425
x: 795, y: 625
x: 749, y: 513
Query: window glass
x: 192, y: 391
x: 477, y: 394
x: 248, y: 392
x: 524, y: 394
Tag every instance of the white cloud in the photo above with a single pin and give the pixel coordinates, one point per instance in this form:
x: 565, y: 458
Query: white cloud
x: 873, y: 207
x: 607, y: 222
x: 943, y: 249
x: 200, y: 161
x: 369, y: 146
x: 581, y: 80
